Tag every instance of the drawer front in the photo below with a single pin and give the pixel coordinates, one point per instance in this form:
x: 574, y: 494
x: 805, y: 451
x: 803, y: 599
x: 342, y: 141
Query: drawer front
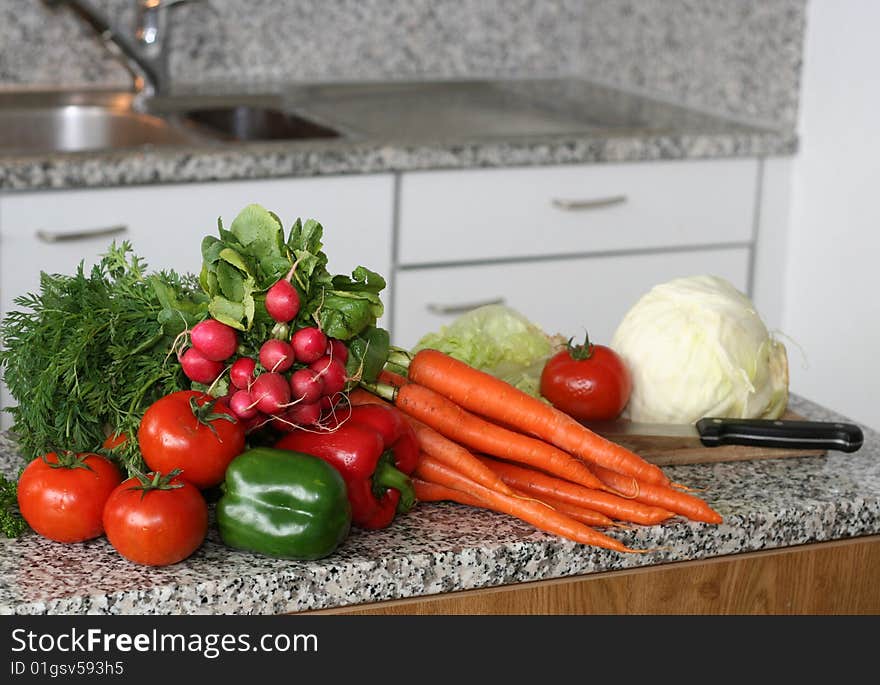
x: 567, y: 296
x: 461, y: 216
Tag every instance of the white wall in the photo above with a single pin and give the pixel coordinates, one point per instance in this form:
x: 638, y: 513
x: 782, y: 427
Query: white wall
x: 832, y: 304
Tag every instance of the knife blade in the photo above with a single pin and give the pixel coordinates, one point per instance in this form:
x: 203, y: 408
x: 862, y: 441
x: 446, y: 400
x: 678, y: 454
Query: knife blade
x: 714, y: 431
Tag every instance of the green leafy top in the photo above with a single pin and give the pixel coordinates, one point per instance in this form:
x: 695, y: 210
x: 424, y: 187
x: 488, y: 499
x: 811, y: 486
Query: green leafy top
x: 11, y: 523
x: 240, y: 264
x: 89, y: 353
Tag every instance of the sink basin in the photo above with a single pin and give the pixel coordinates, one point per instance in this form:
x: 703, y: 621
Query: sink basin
x: 73, y: 122
x: 247, y: 122
x: 74, y: 128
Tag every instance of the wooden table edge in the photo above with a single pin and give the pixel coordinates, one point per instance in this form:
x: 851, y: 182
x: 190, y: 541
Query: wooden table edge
x: 835, y: 577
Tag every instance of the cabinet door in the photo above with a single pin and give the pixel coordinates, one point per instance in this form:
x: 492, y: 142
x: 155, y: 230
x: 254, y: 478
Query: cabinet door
x: 490, y: 214
x: 567, y: 296
x: 53, y: 231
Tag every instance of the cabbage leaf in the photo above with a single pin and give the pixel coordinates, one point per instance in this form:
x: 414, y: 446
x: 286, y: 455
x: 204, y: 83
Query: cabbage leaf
x: 499, y: 340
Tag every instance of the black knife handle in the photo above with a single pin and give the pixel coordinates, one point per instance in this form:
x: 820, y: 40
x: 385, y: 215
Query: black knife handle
x: 829, y: 435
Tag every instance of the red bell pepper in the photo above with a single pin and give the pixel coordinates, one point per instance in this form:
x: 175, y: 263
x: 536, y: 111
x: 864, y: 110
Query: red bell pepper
x: 374, y: 449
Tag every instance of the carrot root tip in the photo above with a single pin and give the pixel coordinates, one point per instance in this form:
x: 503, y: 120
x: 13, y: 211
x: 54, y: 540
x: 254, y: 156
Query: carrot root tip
x: 685, y: 488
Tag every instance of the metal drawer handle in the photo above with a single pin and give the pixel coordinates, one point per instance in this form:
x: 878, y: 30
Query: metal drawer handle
x: 85, y: 234
x: 460, y: 308
x: 574, y: 205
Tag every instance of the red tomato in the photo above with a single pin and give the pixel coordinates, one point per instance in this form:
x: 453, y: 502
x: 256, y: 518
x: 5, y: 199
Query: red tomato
x: 113, y: 441
x: 62, y: 496
x: 191, y: 431
x: 589, y: 382
x: 156, y: 521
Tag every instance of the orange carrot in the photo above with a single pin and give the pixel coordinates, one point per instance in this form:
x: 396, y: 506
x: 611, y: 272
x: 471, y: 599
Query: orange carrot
x: 427, y: 491
x: 539, y: 515
x: 358, y: 396
x: 386, y: 376
x: 679, y: 502
x: 537, y: 484
x: 484, y: 394
x: 476, y: 433
x: 461, y: 459
x: 589, y: 516
x: 440, y: 447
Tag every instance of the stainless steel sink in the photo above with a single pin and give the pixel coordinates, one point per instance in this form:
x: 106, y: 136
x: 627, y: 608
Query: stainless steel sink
x: 416, y: 111
x: 71, y: 122
x: 401, y: 112
x: 88, y: 121
x: 246, y: 122
x: 77, y: 127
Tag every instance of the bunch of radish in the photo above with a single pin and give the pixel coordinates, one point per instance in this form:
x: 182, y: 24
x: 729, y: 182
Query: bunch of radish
x: 297, y: 378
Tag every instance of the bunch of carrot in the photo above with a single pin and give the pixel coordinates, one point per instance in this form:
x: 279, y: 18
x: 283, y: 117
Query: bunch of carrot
x: 487, y: 444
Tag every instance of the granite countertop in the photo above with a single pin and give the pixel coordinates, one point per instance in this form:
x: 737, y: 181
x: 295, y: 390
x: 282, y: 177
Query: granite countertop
x: 445, y: 547
x: 390, y: 127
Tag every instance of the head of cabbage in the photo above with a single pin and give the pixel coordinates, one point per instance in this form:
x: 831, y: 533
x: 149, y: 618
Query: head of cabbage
x: 696, y: 347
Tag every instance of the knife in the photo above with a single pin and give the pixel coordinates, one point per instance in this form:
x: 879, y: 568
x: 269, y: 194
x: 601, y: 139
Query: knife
x: 713, y: 432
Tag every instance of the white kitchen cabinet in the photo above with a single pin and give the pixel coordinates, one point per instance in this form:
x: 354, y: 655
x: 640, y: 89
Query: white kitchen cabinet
x: 54, y: 230
x: 568, y: 296
x: 487, y: 214
x: 571, y: 247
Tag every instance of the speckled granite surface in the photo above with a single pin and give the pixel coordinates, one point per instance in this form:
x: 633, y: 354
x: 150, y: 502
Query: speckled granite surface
x: 306, y: 40
x: 444, y: 547
x: 591, y: 124
x: 740, y: 57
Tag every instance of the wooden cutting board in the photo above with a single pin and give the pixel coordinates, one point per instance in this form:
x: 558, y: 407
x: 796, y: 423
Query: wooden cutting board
x: 710, y: 455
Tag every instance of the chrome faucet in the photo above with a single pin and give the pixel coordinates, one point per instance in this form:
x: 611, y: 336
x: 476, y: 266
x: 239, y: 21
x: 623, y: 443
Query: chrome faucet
x: 144, y: 56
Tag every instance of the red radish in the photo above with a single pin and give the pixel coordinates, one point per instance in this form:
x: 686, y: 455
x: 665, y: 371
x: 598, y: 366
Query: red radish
x: 332, y: 371
x: 304, y: 414
x: 198, y: 368
x: 282, y: 423
x: 330, y: 408
x: 309, y: 344
x: 276, y: 355
x: 242, y: 405
x: 282, y: 301
x: 215, y: 340
x: 337, y: 350
x: 254, y: 423
x: 298, y: 415
x: 306, y: 386
x: 241, y: 373
x: 271, y: 392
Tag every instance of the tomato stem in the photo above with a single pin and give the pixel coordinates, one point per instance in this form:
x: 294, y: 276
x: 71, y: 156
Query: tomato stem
x: 156, y: 481
x: 66, y: 459
x: 580, y: 352
x: 205, y: 414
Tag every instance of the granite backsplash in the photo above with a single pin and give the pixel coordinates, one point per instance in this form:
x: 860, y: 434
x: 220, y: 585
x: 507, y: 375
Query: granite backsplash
x: 738, y: 57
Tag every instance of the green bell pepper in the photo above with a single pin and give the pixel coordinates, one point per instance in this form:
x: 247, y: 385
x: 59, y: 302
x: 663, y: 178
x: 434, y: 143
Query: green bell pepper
x: 283, y: 504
